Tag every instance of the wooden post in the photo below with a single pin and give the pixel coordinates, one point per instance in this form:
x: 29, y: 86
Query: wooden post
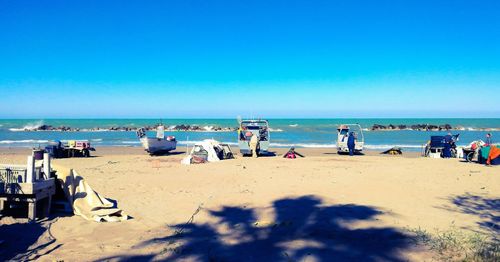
x: 46, y: 165
x: 32, y: 210
x: 48, y: 205
x: 30, y: 170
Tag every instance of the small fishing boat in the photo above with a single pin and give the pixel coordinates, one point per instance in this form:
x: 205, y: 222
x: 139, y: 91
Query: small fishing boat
x: 247, y: 129
x: 342, y: 135
x: 159, y: 144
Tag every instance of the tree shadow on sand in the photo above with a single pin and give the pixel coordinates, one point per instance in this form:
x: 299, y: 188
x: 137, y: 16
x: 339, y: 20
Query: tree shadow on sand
x: 487, y: 209
x: 19, y: 239
x: 303, y: 228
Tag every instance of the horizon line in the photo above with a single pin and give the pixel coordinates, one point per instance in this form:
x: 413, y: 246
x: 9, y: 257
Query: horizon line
x: 230, y: 118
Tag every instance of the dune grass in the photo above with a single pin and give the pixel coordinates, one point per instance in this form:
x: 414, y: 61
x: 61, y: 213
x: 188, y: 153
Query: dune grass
x: 459, y: 245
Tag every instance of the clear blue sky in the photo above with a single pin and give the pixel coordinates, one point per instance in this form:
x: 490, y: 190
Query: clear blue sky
x: 267, y: 58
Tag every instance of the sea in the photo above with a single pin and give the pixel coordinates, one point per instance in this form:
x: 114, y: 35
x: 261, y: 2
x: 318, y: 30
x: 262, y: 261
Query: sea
x: 305, y: 133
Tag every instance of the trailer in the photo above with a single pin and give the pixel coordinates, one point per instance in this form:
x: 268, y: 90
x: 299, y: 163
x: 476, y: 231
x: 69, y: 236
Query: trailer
x: 72, y: 148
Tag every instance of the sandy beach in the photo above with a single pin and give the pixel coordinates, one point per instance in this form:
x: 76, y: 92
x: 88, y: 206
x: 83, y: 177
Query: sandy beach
x: 317, y: 208
x: 131, y: 78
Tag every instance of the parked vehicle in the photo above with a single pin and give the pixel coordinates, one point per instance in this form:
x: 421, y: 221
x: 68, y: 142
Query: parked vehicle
x: 342, y: 135
x: 72, y: 148
x: 247, y: 129
x: 435, y: 147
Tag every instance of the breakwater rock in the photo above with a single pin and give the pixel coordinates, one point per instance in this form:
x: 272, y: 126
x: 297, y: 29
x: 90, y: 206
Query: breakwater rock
x: 426, y: 127
x: 182, y: 127
x: 419, y: 127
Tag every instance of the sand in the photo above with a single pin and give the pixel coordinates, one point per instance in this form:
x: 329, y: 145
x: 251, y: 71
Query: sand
x: 321, y: 207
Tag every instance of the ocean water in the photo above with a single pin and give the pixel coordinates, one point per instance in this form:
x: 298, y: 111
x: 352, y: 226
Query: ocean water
x: 312, y: 133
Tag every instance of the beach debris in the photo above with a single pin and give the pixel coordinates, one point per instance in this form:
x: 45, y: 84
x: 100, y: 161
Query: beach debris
x: 393, y: 151
x: 84, y: 201
x: 208, y: 150
x: 272, y: 224
x: 180, y: 230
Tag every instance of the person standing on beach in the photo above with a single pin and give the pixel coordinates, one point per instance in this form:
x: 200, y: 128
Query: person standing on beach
x: 488, y: 141
x: 254, y: 144
x: 351, y: 142
x: 448, y: 139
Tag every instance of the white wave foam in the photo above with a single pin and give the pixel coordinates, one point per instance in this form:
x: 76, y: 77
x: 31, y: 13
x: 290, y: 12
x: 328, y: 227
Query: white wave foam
x: 95, y: 130
x: 294, y: 125
x: 183, y: 143
x: 26, y: 141
x: 190, y: 143
x: 315, y: 145
x: 391, y: 146
x: 275, y: 130
x: 28, y: 127
x: 131, y: 142
x: 96, y: 140
x: 312, y: 145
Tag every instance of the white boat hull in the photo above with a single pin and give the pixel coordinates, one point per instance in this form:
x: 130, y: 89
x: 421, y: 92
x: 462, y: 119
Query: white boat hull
x: 155, y: 145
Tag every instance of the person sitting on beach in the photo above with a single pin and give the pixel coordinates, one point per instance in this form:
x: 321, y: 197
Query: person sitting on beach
x: 292, y: 154
x: 488, y: 141
x: 351, y: 142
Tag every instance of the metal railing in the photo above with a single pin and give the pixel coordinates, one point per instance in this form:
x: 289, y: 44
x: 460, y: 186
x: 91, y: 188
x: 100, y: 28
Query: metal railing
x: 11, y: 175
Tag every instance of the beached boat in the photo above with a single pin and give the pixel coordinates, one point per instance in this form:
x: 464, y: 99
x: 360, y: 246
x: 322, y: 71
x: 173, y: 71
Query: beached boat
x: 159, y: 144
x: 247, y: 129
x: 342, y: 135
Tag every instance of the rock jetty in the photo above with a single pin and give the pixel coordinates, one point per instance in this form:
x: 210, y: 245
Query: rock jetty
x: 417, y: 127
x: 129, y: 128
